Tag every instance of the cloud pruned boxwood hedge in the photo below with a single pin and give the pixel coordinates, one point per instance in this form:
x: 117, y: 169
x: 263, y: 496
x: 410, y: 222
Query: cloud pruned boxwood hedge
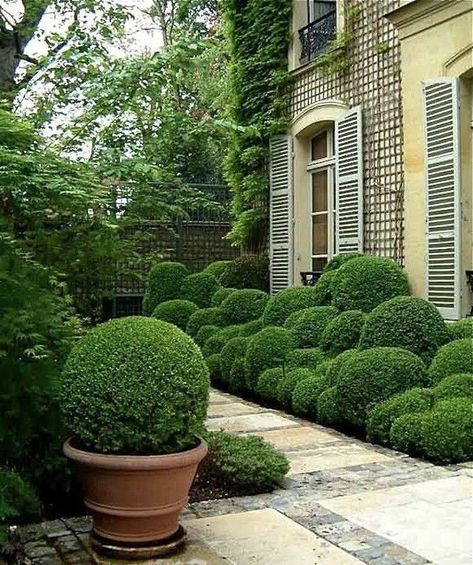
x: 453, y: 386
x: 285, y: 302
x: 343, y: 332
x: 252, y: 328
x: 406, y: 434
x: 164, y: 283
x: 310, y: 358
x: 453, y: 358
x: 247, y: 271
x: 328, y: 408
x: 333, y: 371
x: 308, y: 325
x: 336, y: 262
x: 216, y: 268
x: 204, y: 333
x: 214, y: 365
x: 217, y: 341
x: 287, y: 384
x: 306, y: 395
x: 267, y: 385
x: 135, y: 385
x: 237, y: 380
x: 461, y: 329
x: 175, y: 312
x: 199, y: 289
x: 234, y: 348
x: 244, y: 306
x: 323, y: 289
x: 204, y: 317
x: 220, y: 296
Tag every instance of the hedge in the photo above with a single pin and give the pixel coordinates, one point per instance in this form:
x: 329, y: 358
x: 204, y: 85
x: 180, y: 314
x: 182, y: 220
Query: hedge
x: 244, y: 306
x: 285, y: 302
x: 310, y: 358
x: 323, y: 289
x: 199, y: 288
x: 214, y: 366
x: 336, y: 262
x: 287, y: 384
x: 219, y: 296
x: 451, y: 359
x: 237, y: 380
x: 164, y: 283
x: 247, y: 271
x: 343, y: 332
x: 234, y: 348
x: 204, y: 333
x: 175, y: 312
x: 204, y: 317
x: 453, y: 386
x: 306, y: 395
x: 333, y: 370
x: 216, y: 342
x: 308, y: 325
x: 18, y: 502
x: 216, y: 269
x: 406, y: 434
x: 267, y: 385
x: 461, y: 329
x: 252, y: 328
x: 328, y: 408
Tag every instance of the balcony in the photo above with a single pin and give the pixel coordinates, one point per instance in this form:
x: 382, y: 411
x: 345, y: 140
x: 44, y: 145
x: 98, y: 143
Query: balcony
x: 315, y: 37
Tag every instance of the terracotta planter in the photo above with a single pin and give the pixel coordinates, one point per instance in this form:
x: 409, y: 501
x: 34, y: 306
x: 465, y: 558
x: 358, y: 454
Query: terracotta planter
x: 136, y: 499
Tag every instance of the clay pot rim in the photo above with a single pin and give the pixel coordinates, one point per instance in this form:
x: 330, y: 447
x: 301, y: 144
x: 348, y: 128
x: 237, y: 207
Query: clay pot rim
x: 136, y: 462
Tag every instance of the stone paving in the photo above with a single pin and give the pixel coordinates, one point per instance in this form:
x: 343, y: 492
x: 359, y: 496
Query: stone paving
x: 343, y: 502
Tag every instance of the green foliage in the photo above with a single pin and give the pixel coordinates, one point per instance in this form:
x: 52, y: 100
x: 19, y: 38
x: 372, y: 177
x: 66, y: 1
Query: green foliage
x: 453, y: 386
x: 135, y: 386
x: 268, y: 348
x: 333, y: 371
x: 216, y: 269
x: 452, y: 359
x: 204, y: 317
x: 306, y: 395
x: 408, y: 322
x: 18, y: 501
x: 323, y: 289
x: 343, y: 332
x: 244, y: 306
x: 365, y: 282
x: 406, y: 434
x: 447, y: 431
x: 339, y: 260
x: 199, y: 289
x: 310, y: 358
x: 220, y: 296
x: 234, y: 348
x: 309, y: 324
x: 175, y: 312
x: 328, y: 408
x: 247, y: 271
x: 214, y: 367
x: 204, y: 333
x: 287, y: 384
x: 248, y: 463
x: 252, y: 328
x: 237, y: 380
x: 267, y: 385
x: 381, y: 417
x: 461, y: 329
x: 164, y: 283
x: 216, y: 342
x: 285, y: 302
x: 374, y: 375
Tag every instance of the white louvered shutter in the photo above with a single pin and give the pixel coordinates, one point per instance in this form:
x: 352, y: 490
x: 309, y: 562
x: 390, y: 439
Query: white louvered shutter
x: 280, y: 212
x: 442, y: 200
x: 349, y: 182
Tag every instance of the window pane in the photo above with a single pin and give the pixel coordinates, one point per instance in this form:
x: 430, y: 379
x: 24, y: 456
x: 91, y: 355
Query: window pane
x: 319, y: 146
x: 319, y: 191
x: 319, y: 263
x: 319, y: 234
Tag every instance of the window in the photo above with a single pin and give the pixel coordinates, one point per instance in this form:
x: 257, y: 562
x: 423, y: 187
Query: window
x: 320, y: 30
x: 321, y: 169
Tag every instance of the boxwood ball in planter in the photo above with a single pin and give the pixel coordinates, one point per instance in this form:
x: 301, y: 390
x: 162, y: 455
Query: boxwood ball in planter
x: 134, y: 397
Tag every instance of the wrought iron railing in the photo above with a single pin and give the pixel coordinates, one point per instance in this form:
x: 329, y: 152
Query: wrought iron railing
x: 315, y: 37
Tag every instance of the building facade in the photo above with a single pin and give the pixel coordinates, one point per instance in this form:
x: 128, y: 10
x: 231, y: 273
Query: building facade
x: 379, y: 155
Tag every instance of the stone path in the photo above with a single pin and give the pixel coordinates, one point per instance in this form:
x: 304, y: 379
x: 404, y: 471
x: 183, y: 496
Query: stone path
x: 343, y: 502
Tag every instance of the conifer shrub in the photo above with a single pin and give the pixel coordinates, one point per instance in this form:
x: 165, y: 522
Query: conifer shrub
x: 199, y: 288
x: 343, y: 332
x: 252, y: 328
x: 204, y: 333
x: 220, y: 296
x: 309, y: 324
x: 216, y: 342
x: 310, y: 358
x: 461, y: 329
x: 216, y: 269
x: 306, y: 395
x: 247, y: 271
x: 323, y: 289
x: 285, y: 302
x: 203, y: 317
x: 328, y: 408
x: 164, y: 283
x: 175, y: 312
x: 243, y: 306
x: 452, y: 358
x: 234, y: 348
x: 406, y: 434
x: 287, y: 384
x: 267, y: 385
x: 454, y: 386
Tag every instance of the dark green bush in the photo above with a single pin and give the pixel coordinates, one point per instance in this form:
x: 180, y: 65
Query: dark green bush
x: 137, y: 386
x: 365, y: 282
x: 308, y: 325
x: 204, y: 333
x: 164, y: 283
x: 204, y: 317
x: 339, y: 260
x: 333, y: 370
x: 328, y: 408
x: 268, y: 348
x: 18, y: 501
x: 408, y: 322
x: 287, y: 384
x: 343, y: 332
x: 461, y: 329
x: 216, y: 268
x: 247, y: 271
x: 214, y: 367
x: 452, y: 358
x: 306, y: 395
x: 248, y: 463
x: 220, y: 296
x: 244, y: 306
x: 381, y: 417
x: 323, y: 289
x: 267, y: 385
x: 234, y: 348
x: 237, y: 380
x: 175, y: 312
x: 285, y: 302
x: 447, y: 431
x: 252, y: 328
x: 406, y: 434
x: 374, y: 375
x: 199, y: 288
x: 216, y: 342
x: 453, y: 386
x: 310, y: 358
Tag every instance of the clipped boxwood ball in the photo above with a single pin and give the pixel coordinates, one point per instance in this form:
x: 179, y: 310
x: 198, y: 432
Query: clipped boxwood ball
x: 381, y: 417
x: 285, y: 302
x: 454, y: 385
x: 244, y: 306
x: 237, y: 380
x: 175, y: 312
x: 374, y: 375
x: 328, y: 408
x: 235, y: 347
x: 220, y: 296
x: 323, y: 289
x: 135, y: 385
x: 268, y: 348
x: 406, y: 434
x: 164, y: 283
x: 452, y: 359
x: 213, y: 364
x: 343, y: 332
x: 203, y: 317
x: 339, y: 260
x: 461, y: 329
x: 447, y: 431
x: 247, y: 271
x: 306, y: 395
x: 199, y: 289
x: 204, y: 333
x: 365, y: 282
x: 406, y: 321
x: 267, y: 385
x: 310, y: 358
x: 308, y: 325
x: 287, y: 384
x: 333, y: 370
x: 216, y: 342
x: 252, y: 328
x: 216, y: 268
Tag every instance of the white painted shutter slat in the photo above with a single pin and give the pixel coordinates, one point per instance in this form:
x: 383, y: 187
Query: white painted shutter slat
x: 349, y: 183
x: 442, y: 194
x: 280, y: 147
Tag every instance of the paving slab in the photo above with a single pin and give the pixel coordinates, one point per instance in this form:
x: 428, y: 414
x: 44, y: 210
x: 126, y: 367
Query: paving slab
x: 231, y: 409
x: 250, y: 423
x: 218, y: 398
x: 297, y: 438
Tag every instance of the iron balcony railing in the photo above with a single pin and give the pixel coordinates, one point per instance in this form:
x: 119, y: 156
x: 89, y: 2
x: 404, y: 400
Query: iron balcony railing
x: 315, y: 37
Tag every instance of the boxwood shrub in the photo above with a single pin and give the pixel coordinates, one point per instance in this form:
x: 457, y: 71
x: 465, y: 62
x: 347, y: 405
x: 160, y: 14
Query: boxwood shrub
x: 408, y: 322
x: 374, y: 375
x: 247, y: 271
x: 343, y: 332
x: 220, y: 296
x: 328, y: 408
x: 308, y: 325
x: 252, y: 328
x: 306, y: 395
x: 164, y: 283
x: 285, y: 302
x: 454, y: 385
x: 204, y: 333
x: 336, y: 262
x: 216, y: 341
x: 310, y: 358
x: 287, y: 384
x: 204, y: 317
x: 406, y: 434
x: 267, y: 385
x: 175, y: 312
x: 447, y: 431
x: 333, y: 370
x: 214, y: 366
x: 237, y: 380
x: 199, y: 288
x: 216, y: 268
x: 451, y: 359
x: 234, y: 348
x: 323, y: 289
x: 268, y: 348
x: 381, y: 417
x: 365, y: 282
x: 135, y: 385
x: 244, y: 306
x: 461, y: 329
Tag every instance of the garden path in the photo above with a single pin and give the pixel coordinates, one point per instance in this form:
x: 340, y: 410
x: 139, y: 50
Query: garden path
x: 343, y: 502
